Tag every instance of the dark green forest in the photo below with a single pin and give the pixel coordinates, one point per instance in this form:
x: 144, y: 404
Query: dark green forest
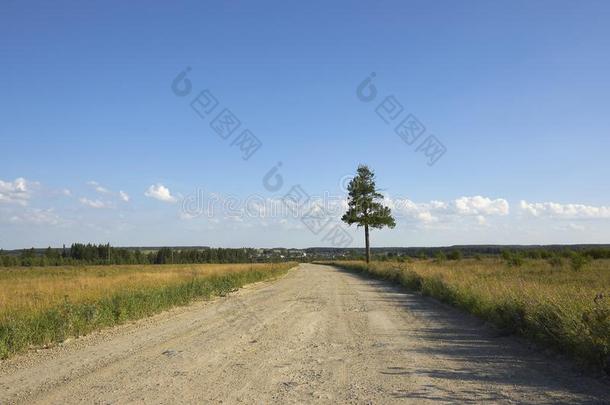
x: 79, y: 254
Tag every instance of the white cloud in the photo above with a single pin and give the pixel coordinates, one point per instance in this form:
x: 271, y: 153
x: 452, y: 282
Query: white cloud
x: 474, y: 210
x: 36, y: 216
x: 161, y: 193
x: 477, y: 207
x: 100, y: 189
x: 94, y: 203
x: 564, y: 211
x: 121, y: 195
x: 426, y: 217
x: 16, y: 192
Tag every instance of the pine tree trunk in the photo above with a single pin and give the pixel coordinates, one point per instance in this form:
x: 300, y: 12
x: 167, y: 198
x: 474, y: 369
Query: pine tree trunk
x: 366, y: 243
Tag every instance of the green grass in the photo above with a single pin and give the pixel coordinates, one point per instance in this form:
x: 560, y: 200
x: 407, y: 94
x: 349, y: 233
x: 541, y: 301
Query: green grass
x: 94, y: 298
x: 553, y: 305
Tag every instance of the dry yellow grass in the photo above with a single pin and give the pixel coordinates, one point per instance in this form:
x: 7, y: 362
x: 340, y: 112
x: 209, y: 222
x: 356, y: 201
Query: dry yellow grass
x: 39, y: 306
x: 37, y: 288
x: 536, y: 282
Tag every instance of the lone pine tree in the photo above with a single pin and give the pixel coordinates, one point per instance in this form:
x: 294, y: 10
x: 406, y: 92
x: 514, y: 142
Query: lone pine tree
x: 364, y: 209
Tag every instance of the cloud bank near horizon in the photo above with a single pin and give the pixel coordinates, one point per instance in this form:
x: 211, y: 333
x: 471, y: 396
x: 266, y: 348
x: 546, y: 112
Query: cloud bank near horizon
x: 29, y: 209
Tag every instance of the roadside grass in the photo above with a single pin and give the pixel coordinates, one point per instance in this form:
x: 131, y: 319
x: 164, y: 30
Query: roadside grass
x: 45, y: 305
x: 551, y: 304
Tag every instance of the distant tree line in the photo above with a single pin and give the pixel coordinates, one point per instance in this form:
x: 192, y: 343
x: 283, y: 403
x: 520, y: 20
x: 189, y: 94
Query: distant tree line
x: 79, y: 254
x: 514, y: 253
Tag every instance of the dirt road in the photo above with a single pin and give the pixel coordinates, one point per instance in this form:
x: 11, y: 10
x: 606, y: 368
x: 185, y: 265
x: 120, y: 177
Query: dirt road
x: 316, y: 335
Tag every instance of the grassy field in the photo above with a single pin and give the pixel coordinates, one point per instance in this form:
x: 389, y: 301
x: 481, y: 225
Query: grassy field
x: 543, y: 300
x: 45, y: 305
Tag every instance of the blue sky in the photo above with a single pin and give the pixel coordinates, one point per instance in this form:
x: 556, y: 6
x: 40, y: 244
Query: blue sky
x: 515, y: 91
